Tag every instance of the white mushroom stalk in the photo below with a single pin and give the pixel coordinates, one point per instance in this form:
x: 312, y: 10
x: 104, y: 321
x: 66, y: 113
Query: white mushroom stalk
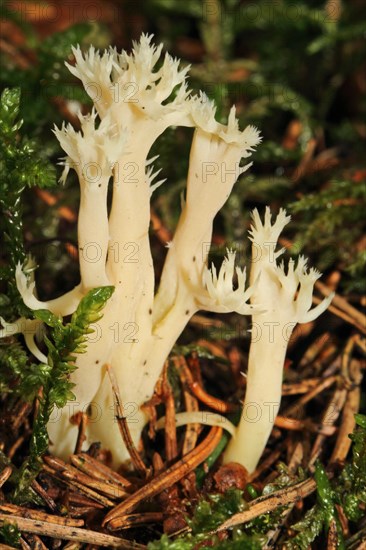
x: 286, y: 295
x: 133, y: 104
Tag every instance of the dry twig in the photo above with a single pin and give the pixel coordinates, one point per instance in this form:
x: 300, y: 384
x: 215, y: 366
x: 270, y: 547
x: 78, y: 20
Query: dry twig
x: 191, y: 404
x: 64, y: 532
x: 123, y: 426
x: 171, y: 446
x: 173, y: 474
x: 5, y: 474
x: 95, y: 469
x: 263, y: 505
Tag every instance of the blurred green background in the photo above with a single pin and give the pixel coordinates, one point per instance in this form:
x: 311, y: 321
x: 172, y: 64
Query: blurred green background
x: 294, y: 69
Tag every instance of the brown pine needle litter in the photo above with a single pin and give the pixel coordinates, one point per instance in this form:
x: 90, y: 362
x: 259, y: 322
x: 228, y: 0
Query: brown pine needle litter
x: 84, y: 503
x: 87, y: 492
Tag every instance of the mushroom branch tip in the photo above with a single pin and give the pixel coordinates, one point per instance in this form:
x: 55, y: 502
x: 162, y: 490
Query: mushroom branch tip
x: 222, y: 297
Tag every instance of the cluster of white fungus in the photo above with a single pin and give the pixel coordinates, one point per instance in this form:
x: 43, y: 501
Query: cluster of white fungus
x: 134, y: 103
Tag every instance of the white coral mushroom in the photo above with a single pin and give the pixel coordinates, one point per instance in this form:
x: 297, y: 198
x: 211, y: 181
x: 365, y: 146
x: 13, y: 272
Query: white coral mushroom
x: 287, y: 298
x: 134, y: 103
x: 136, y: 98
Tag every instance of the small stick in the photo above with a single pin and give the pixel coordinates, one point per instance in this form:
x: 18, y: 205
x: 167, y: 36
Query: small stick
x: 360, y: 343
x: 194, y: 366
x: 351, y: 407
x: 96, y: 469
x: 5, y: 474
x: 342, y: 315
x: 36, y: 542
x: 342, y: 303
x: 139, y: 519
x: 263, y: 505
x: 291, y: 424
x: 171, y: 447
x: 81, y: 501
x: 39, y: 515
x: 173, y: 474
x: 199, y: 320
x: 265, y: 464
x: 69, y: 533
x: 343, y: 520
x: 23, y: 544
x: 82, y: 511
x: 73, y: 474
x: 357, y: 541
x: 332, y: 541
x: 93, y: 495
x: 82, y: 419
x: 330, y: 416
x: 300, y: 387
x: 44, y: 495
x: 315, y: 349
x: 20, y: 415
x: 212, y: 402
x: 161, y: 231
x: 343, y: 443
x: 123, y: 426
x: 191, y: 403
x: 327, y: 382
x: 336, y: 405
x: 293, y: 466
x: 158, y: 464
x: 299, y: 425
x: 17, y: 443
